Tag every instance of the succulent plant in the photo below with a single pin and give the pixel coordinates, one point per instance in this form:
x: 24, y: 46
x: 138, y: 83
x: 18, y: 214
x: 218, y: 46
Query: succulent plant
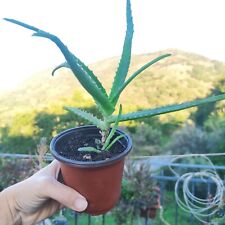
x: 107, y: 103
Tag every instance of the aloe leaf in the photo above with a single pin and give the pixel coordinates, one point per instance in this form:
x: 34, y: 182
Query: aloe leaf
x: 65, y: 65
x: 80, y: 70
x: 112, y: 132
x: 93, y: 77
x: 86, y: 77
x: 166, y: 109
x: 89, y: 149
x: 22, y: 24
x: 89, y: 72
x: 87, y: 116
x: 124, y: 63
x: 114, y: 141
x: 116, y: 95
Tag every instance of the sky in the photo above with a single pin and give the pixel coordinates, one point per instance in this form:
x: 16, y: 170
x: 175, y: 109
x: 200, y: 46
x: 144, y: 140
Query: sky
x: 94, y: 30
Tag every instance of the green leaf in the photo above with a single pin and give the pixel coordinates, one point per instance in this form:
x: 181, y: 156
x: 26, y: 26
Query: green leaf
x: 116, y: 95
x: 114, y: 141
x: 87, y: 70
x: 89, y: 149
x: 65, y: 64
x: 80, y: 70
x: 113, y: 130
x: 22, y: 24
x: 93, y: 77
x: 87, y: 116
x: 126, y: 55
x: 166, y: 109
x: 85, y: 76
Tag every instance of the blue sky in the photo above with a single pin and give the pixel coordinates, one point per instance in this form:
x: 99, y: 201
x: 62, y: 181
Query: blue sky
x: 94, y: 30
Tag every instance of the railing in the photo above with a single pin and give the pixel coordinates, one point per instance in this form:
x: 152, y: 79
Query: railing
x: 164, y: 181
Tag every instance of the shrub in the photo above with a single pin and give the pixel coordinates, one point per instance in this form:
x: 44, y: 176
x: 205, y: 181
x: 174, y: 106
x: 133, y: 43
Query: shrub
x: 139, y: 193
x: 190, y: 139
x: 146, y: 140
x: 14, y: 170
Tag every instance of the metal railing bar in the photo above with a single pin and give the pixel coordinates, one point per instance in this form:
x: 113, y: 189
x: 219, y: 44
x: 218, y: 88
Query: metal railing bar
x: 192, y: 191
x: 174, y: 178
x: 146, y: 220
x: 75, y: 218
x: 89, y: 220
x: 49, y: 157
x: 162, y: 186
x: 23, y: 156
x: 186, y: 165
x: 103, y: 219
x: 208, y: 195
x: 176, y: 214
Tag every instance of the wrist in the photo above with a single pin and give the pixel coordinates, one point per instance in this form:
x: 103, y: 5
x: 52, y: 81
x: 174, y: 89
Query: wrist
x: 8, y: 213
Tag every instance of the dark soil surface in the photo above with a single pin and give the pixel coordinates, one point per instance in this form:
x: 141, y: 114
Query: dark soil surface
x: 67, y: 147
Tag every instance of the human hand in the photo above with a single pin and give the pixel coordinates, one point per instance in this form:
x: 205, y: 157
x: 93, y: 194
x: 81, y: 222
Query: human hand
x: 38, y: 197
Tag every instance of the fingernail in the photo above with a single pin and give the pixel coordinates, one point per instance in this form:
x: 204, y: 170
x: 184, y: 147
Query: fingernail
x: 80, y: 204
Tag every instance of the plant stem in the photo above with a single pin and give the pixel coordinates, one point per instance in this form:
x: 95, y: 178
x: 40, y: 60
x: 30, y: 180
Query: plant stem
x: 105, y: 132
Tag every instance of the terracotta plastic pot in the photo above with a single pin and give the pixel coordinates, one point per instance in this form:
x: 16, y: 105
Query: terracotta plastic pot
x: 98, y: 181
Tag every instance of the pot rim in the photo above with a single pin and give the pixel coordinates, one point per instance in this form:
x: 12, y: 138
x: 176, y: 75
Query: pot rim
x: 88, y: 164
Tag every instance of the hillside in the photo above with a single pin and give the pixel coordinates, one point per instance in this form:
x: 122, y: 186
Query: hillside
x: 181, y: 77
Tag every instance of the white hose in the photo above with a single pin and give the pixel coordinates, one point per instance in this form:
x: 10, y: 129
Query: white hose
x: 200, y: 208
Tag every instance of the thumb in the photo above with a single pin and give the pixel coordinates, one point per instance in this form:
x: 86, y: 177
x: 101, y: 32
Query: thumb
x: 66, y: 196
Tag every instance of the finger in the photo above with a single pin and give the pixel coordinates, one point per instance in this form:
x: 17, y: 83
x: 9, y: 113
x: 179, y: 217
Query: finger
x: 52, y: 169
x: 66, y: 196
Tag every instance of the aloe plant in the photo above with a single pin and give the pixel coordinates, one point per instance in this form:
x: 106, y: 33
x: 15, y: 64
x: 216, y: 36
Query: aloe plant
x: 107, y: 103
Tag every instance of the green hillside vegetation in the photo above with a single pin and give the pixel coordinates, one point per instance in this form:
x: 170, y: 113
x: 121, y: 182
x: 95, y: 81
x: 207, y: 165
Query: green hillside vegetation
x: 35, y: 109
